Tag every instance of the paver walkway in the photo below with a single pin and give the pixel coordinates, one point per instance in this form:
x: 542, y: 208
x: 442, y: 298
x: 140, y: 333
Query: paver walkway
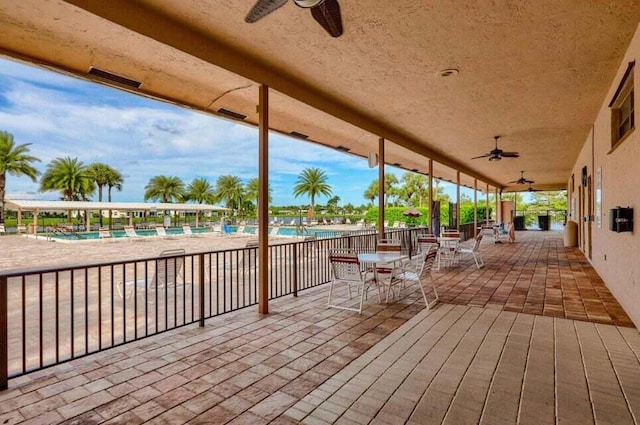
x: 468, y: 365
x: 536, y: 275
x: 395, y: 363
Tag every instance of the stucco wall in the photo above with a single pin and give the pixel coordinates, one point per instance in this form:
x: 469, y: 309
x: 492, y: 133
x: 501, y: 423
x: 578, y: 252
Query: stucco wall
x: 615, y: 256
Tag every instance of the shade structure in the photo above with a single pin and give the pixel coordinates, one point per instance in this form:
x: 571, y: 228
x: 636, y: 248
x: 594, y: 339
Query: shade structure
x: 412, y: 212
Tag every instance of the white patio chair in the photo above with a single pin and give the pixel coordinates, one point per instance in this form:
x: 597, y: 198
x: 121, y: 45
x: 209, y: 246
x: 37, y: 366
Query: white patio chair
x: 168, y: 274
x: 418, y: 271
x: 474, y: 251
x: 387, y: 274
x: 347, y: 270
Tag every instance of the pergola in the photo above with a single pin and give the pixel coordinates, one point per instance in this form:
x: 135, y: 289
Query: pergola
x: 36, y: 207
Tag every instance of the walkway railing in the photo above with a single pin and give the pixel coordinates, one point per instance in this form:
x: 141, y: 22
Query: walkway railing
x: 53, y: 315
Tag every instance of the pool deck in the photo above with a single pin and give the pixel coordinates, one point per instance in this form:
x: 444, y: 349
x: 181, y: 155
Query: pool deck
x: 22, y: 251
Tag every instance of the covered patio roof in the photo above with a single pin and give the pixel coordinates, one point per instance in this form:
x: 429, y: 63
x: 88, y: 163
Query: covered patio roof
x: 534, y: 73
x: 34, y: 205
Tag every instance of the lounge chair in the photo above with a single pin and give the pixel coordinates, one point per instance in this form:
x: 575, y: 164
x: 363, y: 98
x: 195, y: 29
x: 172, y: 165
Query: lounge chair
x: 161, y: 232
x: 168, y: 275
x: 130, y: 232
x: 104, y: 233
x: 2, y: 229
x: 186, y: 229
x: 274, y: 231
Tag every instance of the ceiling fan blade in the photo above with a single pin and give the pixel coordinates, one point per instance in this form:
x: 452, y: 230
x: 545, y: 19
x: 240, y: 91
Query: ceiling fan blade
x: 515, y: 182
x: 262, y: 8
x: 327, y: 14
x: 482, y: 156
x: 510, y: 154
x: 529, y: 181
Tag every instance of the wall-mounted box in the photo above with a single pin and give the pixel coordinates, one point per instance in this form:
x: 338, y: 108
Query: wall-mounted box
x: 621, y: 219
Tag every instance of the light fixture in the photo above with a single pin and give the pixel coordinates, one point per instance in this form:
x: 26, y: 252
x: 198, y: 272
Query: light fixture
x: 449, y: 72
x: 305, y: 4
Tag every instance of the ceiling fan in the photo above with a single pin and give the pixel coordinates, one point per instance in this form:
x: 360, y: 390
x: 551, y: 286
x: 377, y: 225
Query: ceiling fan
x: 497, y: 154
x: 532, y: 189
x: 522, y: 180
x: 325, y: 12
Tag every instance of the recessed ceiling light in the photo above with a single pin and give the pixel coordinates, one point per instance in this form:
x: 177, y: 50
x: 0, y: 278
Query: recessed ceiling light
x: 450, y: 72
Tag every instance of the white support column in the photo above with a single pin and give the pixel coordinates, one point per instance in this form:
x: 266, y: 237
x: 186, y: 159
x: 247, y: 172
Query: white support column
x: 263, y: 200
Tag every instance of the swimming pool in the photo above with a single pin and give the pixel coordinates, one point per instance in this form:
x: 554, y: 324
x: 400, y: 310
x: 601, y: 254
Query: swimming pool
x: 80, y: 236
x: 292, y: 231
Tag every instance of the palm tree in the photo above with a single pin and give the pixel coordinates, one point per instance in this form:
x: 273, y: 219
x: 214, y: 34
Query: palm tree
x: 312, y: 182
x: 372, y: 192
x: 16, y: 161
x: 114, y: 180
x: 252, y: 190
x: 230, y: 190
x: 200, y: 191
x: 415, y: 185
x: 102, y: 174
x: 390, y: 180
x: 164, y: 188
x: 69, y: 176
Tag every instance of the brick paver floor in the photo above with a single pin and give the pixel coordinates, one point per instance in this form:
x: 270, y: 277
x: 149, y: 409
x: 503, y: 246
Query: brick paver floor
x: 535, y: 275
x: 481, y: 362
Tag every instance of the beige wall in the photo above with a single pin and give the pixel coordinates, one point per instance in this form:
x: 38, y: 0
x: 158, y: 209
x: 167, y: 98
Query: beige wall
x: 615, y: 256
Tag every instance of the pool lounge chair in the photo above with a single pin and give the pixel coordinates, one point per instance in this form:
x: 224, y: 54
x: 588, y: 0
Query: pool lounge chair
x: 161, y: 232
x: 2, y: 229
x: 167, y: 275
x: 104, y: 234
x: 274, y: 231
x: 186, y: 229
x: 130, y: 232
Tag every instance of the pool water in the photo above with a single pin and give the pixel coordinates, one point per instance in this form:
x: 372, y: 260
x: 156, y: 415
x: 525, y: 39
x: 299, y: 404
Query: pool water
x: 122, y: 234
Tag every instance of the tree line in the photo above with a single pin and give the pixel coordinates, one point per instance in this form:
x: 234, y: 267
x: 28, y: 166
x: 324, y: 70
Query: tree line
x: 76, y: 181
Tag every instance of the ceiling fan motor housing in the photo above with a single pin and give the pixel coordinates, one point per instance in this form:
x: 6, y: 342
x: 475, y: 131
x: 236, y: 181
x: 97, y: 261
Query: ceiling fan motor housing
x: 306, y: 4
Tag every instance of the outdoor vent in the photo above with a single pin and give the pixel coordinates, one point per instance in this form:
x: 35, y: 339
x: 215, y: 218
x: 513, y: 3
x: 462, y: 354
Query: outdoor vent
x: 342, y: 148
x: 113, y: 78
x: 299, y: 135
x: 415, y: 170
x: 396, y: 164
x: 231, y: 114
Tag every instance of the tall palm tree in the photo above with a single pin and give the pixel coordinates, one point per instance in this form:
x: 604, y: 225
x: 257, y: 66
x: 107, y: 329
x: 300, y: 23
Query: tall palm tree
x: 230, y: 190
x: 201, y: 192
x: 69, y: 176
x: 312, y: 182
x: 16, y: 161
x: 252, y: 190
x: 372, y: 192
x: 164, y: 188
x: 101, y: 175
x: 415, y: 186
x: 114, y: 181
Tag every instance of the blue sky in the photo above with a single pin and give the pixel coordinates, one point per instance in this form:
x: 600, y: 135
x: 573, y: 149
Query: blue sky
x: 63, y: 116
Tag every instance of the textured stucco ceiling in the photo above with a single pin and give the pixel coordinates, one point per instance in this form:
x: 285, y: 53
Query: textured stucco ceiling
x: 534, y: 72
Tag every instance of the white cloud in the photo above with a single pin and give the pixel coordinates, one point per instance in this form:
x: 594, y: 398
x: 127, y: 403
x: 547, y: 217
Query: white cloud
x: 141, y: 138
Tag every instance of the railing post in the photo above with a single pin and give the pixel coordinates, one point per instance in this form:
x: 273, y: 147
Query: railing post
x: 4, y: 335
x: 201, y: 284
x: 295, y: 269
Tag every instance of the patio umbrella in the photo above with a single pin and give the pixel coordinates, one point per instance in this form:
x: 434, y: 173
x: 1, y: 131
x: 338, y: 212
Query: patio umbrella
x: 412, y: 212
